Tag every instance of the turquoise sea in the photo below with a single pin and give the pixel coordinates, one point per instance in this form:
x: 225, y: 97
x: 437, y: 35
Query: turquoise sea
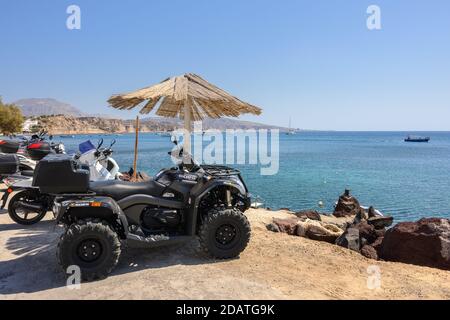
x: 406, y: 180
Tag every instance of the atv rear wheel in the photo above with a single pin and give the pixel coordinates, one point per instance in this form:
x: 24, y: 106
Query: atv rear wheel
x: 92, y: 246
x: 21, y: 215
x: 224, y: 233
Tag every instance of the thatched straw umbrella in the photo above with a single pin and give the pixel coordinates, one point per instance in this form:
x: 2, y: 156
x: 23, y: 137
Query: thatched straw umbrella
x: 187, y: 97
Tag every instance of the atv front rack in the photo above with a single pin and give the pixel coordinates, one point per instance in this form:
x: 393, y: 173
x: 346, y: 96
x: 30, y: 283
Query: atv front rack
x: 216, y: 170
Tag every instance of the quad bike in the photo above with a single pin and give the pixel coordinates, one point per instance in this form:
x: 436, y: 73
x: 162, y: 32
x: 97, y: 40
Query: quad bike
x: 29, y: 206
x: 177, y: 205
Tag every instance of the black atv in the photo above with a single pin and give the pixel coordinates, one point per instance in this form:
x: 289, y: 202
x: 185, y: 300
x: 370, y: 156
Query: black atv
x: 178, y: 204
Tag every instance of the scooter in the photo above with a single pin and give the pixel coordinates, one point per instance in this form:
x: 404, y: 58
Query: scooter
x: 30, y: 151
x: 101, y: 165
x: 29, y: 205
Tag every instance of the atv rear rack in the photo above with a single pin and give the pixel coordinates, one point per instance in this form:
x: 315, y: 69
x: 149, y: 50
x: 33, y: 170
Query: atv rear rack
x: 216, y: 170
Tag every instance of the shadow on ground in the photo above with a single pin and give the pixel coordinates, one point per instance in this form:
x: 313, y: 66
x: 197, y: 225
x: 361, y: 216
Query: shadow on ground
x: 34, y: 267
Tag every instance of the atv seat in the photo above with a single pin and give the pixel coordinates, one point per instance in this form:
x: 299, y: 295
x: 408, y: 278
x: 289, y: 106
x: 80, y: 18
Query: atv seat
x: 118, y: 189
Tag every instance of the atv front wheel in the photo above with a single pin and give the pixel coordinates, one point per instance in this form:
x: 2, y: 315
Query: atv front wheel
x: 224, y: 233
x: 22, y: 215
x: 92, y: 246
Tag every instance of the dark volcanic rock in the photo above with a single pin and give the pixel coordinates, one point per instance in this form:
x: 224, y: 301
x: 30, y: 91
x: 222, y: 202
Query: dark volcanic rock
x: 362, y: 215
x: 273, y: 227
x: 347, y: 206
x: 425, y: 242
x: 377, y: 245
x: 288, y: 225
x: 309, y: 214
x: 369, y: 252
x: 366, y: 231
x: 380, y: 222
x: 350, y: 239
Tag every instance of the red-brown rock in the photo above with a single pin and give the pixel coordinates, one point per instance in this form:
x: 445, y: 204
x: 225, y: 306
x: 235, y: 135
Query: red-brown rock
x: 366, y: 231
x: 369, y: 252
x: 309, y: 214
x: 347, y: 206
x: 288, y: 225
x: 425, y: 242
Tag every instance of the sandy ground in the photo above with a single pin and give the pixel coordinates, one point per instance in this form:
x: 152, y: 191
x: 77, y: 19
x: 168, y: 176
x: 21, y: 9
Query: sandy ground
x: 274, y: 266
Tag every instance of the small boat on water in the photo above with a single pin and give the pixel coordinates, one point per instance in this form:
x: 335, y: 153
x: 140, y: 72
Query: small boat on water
x: 290, y: 131
x: 417, y: 139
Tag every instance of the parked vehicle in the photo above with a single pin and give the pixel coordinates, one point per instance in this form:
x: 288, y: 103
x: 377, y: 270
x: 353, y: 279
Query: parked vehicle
x: 99, y: 160
x: 180, y: 203
x: 29, y: 151
x: 29, y: 205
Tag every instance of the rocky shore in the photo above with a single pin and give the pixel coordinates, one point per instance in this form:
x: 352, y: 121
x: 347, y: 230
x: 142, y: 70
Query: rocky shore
x: 425, y: 242
x: 274, y: 266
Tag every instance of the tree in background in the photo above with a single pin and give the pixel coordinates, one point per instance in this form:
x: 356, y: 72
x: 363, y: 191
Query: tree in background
x: 11, y: 119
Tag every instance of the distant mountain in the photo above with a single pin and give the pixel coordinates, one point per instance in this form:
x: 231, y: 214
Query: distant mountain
x: 46, y: 106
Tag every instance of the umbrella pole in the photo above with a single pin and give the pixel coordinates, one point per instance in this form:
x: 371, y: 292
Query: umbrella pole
x: 187, y: 128
x: 134, y: 178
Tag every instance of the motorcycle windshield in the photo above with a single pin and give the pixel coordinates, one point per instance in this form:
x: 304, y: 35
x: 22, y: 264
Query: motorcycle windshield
x: 86, y: 146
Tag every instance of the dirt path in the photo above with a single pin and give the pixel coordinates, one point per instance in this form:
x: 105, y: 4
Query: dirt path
x: 274, y: 266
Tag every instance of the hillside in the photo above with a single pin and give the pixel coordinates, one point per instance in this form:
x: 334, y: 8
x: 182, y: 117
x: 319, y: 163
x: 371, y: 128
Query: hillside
x: 62, y: 118
x: 46, y: 106
x: 82, y: 125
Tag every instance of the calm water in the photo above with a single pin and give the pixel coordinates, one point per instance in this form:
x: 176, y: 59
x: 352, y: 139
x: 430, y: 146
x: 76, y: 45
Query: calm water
x: 406, y: 180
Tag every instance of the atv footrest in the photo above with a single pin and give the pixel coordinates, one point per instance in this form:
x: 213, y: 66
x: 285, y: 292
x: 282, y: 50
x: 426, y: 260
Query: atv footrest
x: 137, y: 241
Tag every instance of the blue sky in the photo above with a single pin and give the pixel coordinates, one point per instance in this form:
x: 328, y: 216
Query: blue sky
x: 314, y: 61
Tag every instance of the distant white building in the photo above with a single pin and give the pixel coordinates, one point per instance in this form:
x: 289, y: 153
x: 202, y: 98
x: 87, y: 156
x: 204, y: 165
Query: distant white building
x: 28, y: 124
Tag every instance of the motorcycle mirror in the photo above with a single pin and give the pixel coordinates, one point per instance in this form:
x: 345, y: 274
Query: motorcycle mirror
x: 174, y: 140
x: 100, y: 143
x: 112, y: 143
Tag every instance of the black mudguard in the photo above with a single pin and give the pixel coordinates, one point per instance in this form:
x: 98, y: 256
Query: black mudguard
x: 196, y: 198
x: 104, y: 208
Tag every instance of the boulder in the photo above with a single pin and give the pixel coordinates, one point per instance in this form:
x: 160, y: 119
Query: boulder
x: 301, y: 229
x: 362, y: 215
x: 273, y: 227
x: 371, y: 212
x: 308, y: 214
x: 377, y: 245
x: 288, y: 225
x: 349, y: 239
x: 347, y: 206
x: 425, y: 242
x: 342, y: 222
x: 380, y: 222
x: 366, y: 231
x: 369, y: 252
x: 326, y: 233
